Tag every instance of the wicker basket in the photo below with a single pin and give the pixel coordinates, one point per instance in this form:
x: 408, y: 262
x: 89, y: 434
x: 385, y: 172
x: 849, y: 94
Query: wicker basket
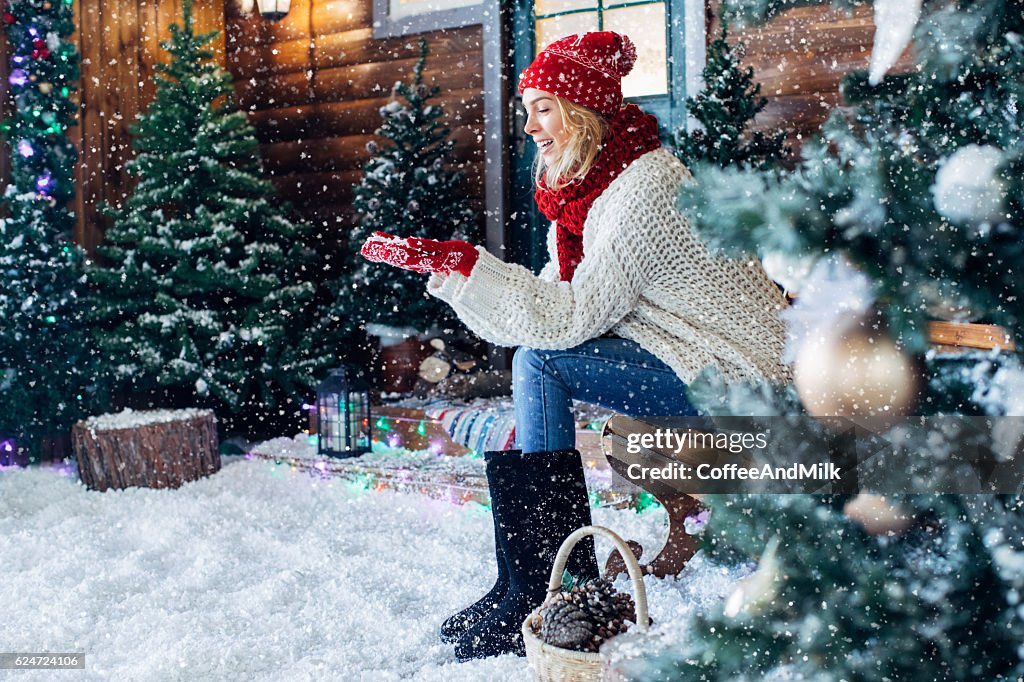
x: 554, y: 664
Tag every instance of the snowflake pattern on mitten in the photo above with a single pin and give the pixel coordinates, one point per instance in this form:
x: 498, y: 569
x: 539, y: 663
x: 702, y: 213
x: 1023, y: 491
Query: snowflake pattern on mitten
x: 420, y: 255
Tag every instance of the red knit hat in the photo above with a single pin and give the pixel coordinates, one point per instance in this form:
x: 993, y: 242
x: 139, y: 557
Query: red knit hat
x: 586, y: 68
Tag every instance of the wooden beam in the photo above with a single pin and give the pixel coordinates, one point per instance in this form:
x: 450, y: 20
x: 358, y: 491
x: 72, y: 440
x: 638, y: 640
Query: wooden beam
x: 361, y: 81
x: 359, y: 117
x: 336, y: 186
x: 350, y: 48
x: 796, y: 113
x: 336, y: 16
x: 349, y: 153
x: 963, y: 335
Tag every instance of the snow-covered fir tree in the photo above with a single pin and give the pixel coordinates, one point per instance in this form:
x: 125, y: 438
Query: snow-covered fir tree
x: 406, y: 189
x: 910, y: 204
x: 209, y: 294
x: 917, y: 185
x: 46, y: 359
x: 726, y: 109
x: 46, y: 378
x: 861, y: 587
x: 832, y: 601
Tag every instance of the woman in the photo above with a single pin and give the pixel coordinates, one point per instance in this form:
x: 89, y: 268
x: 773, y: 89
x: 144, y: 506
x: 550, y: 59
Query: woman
x: 629, y: 309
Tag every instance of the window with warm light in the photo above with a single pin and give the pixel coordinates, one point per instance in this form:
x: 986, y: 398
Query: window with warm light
x: 404, y: 8
x: 558, y: 18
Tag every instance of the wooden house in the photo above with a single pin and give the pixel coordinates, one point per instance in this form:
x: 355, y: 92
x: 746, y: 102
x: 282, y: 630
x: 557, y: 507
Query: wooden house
x: 312, y: 83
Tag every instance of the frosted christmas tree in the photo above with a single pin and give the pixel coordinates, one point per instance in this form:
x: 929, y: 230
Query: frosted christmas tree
x: 918, y: 186
x: 726, y: 109
x: 210, y: 294
x: 45, y: 355
x: 45, y: 372
x: 908, y: 207
x: 406, y: 189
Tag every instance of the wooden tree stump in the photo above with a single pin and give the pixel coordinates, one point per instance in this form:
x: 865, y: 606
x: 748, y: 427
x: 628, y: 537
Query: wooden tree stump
x: 152, y: 449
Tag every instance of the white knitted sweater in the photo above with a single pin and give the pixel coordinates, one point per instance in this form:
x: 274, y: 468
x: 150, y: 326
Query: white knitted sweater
x: 644, y: 276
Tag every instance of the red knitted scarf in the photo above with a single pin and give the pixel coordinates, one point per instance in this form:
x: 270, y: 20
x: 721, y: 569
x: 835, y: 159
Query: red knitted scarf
x: 631, y: 134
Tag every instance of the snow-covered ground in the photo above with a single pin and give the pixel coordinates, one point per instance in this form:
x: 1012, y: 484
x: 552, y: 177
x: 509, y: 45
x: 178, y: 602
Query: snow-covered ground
x: 263, y: 572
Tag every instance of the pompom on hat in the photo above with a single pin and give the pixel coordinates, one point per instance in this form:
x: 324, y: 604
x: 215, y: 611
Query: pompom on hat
x: 586, y: 68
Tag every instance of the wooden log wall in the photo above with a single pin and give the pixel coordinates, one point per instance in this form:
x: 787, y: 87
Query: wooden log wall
x: 119, y: 44
x: 800, y: 57
x: 314, y: 82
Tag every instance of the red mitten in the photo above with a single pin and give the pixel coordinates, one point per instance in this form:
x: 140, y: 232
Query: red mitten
x: 452, y: 255
x: 421, y: 255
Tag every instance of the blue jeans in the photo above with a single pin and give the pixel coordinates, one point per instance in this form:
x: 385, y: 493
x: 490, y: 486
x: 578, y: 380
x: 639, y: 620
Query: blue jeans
x: 614, y: 373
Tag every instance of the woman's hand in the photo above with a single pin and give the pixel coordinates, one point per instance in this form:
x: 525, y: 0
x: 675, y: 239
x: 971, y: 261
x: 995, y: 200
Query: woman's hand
x: 420, y: 255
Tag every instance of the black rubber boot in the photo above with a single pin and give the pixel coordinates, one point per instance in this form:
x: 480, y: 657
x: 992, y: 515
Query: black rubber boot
x: 541, y: 499
x: 457, y: 625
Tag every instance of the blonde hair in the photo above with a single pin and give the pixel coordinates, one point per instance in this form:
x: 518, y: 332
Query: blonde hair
x: 586, y: 131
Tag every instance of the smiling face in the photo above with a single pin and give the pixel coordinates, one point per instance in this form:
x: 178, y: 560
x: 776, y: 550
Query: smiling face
x: 544, y: 123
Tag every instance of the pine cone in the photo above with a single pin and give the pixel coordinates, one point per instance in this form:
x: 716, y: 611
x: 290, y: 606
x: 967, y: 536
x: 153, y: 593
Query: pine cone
x: 625, y: 608
x: 565, y: 625
x: 585, y: 617
x: 604, y: 605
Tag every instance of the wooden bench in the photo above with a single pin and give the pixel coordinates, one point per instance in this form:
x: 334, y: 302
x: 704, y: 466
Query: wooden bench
x: 679, y: 546
x: 416, y: 431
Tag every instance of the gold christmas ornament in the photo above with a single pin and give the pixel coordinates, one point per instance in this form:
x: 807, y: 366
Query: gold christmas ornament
x: 855, y: 371
x: 877, y: 515
x: 45, y: 88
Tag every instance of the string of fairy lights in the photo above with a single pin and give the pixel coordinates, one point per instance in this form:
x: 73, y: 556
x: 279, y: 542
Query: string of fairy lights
x: 44, y: 69
x: 392, y: 435
x: 43, y: 266
x: 401, y: 475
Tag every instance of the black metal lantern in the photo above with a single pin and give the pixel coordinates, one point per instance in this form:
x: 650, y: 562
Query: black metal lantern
x: 343, y: 424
